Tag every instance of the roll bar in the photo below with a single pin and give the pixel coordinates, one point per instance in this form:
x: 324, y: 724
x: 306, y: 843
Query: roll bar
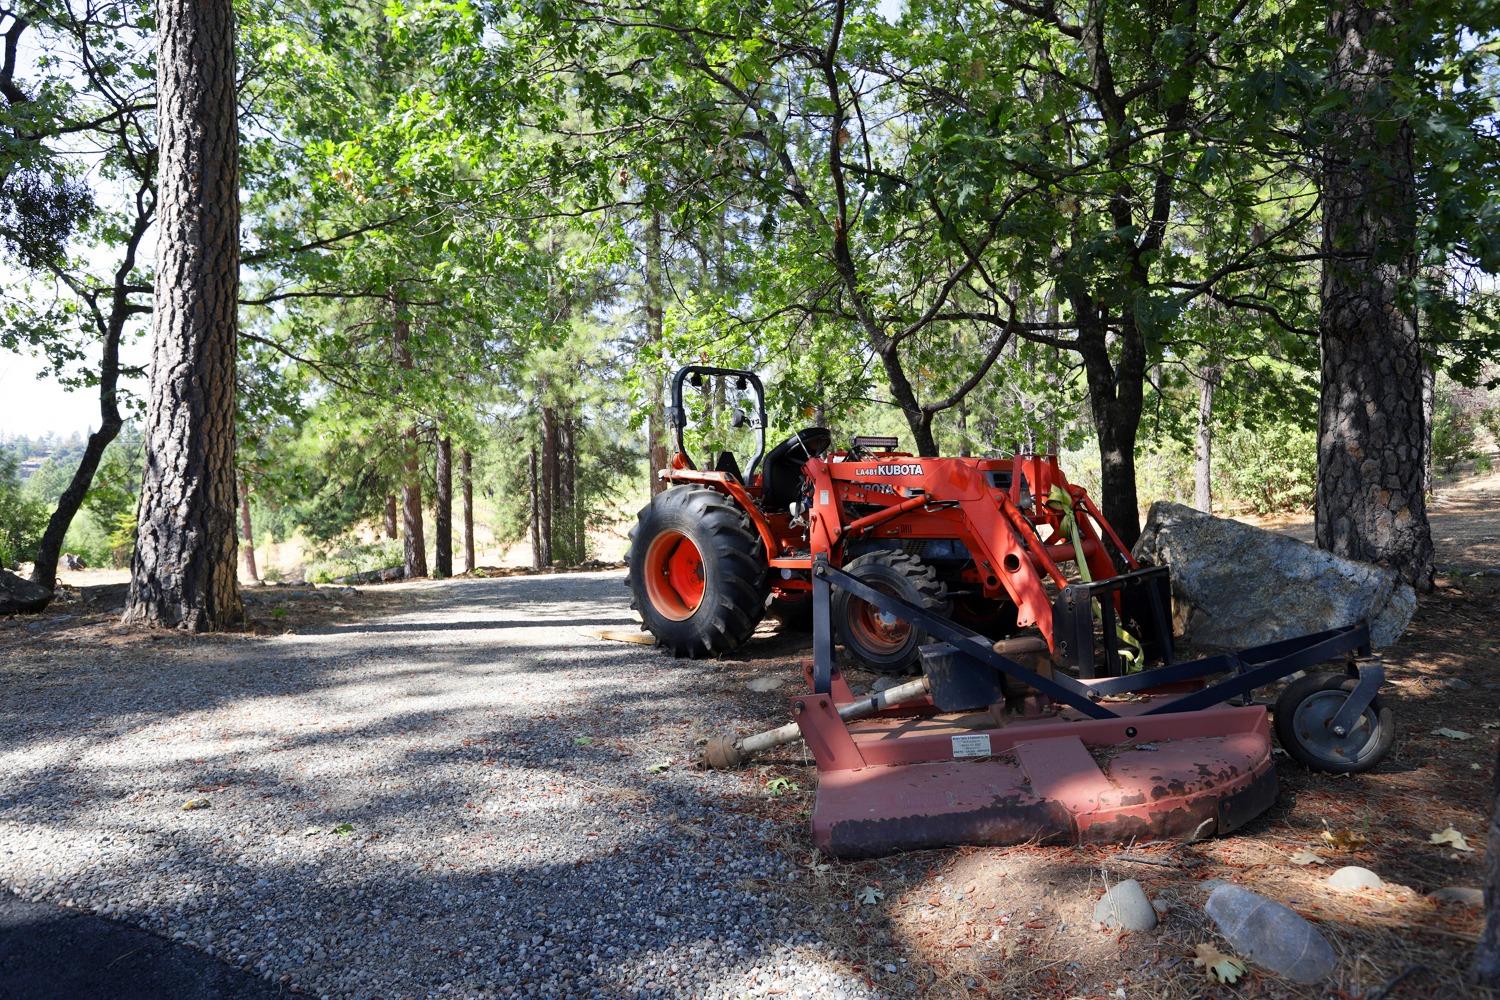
x: 677, y: 415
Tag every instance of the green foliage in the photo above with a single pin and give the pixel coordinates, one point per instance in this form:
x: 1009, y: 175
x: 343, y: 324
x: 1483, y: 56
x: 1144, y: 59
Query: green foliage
x: 1489, y: 419
x: 1271, y: 469
x: 22, y: 517
x: 346, y: 556
x: 1455, y: 435
x: 114, y: 496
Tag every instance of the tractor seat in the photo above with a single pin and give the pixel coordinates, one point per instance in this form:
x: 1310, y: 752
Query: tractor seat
x: 728, y: 463
x: 782, y: 483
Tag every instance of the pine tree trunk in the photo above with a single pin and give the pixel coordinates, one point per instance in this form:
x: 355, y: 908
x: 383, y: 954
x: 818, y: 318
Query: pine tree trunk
x: 580, y: 533
x: 1203, y: 487
x: 247, y: 536
x: 548, y: 492
x: 1429, y: 411
x: 413, y: 538
x: 571, y: 525
x: 656, y: 420
x: 443, y: 515
x: 536, y: 514
x: 1370, y: 502
x: 466, y: 481
x: 391, y: 529
x: 184, y: 571
x: 1487, y: 957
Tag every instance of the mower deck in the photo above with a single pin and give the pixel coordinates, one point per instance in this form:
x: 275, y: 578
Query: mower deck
x: 907, y: 784
x: 1156, y: 754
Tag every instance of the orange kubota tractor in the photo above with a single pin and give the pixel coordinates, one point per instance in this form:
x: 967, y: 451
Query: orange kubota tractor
x: 1049, y: 706
x: 977, y: 539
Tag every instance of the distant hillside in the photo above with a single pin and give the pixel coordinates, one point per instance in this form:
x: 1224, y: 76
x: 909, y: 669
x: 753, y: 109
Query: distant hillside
x: 33, y: 452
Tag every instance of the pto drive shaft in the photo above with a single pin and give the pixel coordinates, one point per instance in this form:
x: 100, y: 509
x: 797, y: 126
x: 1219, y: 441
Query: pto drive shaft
x: 725, y: 752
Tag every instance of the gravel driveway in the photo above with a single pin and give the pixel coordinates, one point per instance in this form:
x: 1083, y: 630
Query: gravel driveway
x: 471, y: 797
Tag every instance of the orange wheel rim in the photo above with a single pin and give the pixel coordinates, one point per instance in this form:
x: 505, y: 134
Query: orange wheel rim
x: 674, y: 575
x: 878, y: 631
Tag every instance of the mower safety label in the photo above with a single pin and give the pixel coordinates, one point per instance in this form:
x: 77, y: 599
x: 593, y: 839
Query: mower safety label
x: 973, y: 745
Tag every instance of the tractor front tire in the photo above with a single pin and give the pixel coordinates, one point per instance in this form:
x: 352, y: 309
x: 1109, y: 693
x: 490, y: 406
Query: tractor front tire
x: 877, y: 640
x: 697, y: 572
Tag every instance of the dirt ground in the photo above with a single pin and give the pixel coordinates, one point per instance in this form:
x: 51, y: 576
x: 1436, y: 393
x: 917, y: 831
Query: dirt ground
x: 1017, y: 922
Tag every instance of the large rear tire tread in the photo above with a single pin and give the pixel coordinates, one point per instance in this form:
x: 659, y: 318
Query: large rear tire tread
x: 735, y: 579
x: 913, y: 581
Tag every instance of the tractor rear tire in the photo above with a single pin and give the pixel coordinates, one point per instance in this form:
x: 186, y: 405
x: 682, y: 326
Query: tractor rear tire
x: 697, y: 572
x: 876, y: 640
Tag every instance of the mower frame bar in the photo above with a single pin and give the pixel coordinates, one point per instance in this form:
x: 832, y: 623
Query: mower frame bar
x: 1249, y: 668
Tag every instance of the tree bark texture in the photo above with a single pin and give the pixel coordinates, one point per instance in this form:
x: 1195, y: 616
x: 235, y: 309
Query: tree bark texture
x: 466, y: 482
x: 184, y: 571
x: 547, y: 493
x: 413, y: 539
x: 391, y: 528
x: 1487, y: 958
x: 536, y: 514
x: 1115, y: 401
x: 1371, y: 433
x: 1203, y: 466
x: 247, y: 535
x: 656, y: 419
x: 442, y: 521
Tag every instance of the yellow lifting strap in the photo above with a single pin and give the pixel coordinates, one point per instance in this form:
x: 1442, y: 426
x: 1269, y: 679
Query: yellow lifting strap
x: 1130, y: 647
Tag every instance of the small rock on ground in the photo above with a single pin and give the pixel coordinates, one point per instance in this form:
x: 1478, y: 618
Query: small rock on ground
x: 1352, y: 878
x: 1270, y: 934
x: 1126, y: 907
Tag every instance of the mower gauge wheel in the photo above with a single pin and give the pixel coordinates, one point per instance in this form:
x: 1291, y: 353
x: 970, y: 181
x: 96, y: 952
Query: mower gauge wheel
x: 1304, y: 717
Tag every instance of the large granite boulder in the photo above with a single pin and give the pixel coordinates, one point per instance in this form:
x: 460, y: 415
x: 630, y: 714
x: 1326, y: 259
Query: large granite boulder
x: 1235, y: 586
x: 17, y: 594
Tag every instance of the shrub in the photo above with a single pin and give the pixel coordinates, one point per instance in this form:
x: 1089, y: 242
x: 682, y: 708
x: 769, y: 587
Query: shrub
x: 1271, y: 469
x: 89, y: 539
x: 23, y: 518
x: 349, y: 555
x: 1454, y: 437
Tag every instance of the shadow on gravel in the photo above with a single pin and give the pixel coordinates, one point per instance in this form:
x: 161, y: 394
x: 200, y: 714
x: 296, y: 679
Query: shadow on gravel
x: 479, y: 798
x: 465, y: 625
x: 47, y: 952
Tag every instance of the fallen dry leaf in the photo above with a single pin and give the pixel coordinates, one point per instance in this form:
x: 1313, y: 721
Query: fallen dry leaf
x: 1452, y: 734
x: 1344, y: 839
x: 1305, y: 857
x: 1452, y: 837
x: 192, y: 804
x: 1219, y: 966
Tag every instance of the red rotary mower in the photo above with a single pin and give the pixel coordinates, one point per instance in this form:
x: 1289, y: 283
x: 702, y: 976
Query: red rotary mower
x: 1050, y: 705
